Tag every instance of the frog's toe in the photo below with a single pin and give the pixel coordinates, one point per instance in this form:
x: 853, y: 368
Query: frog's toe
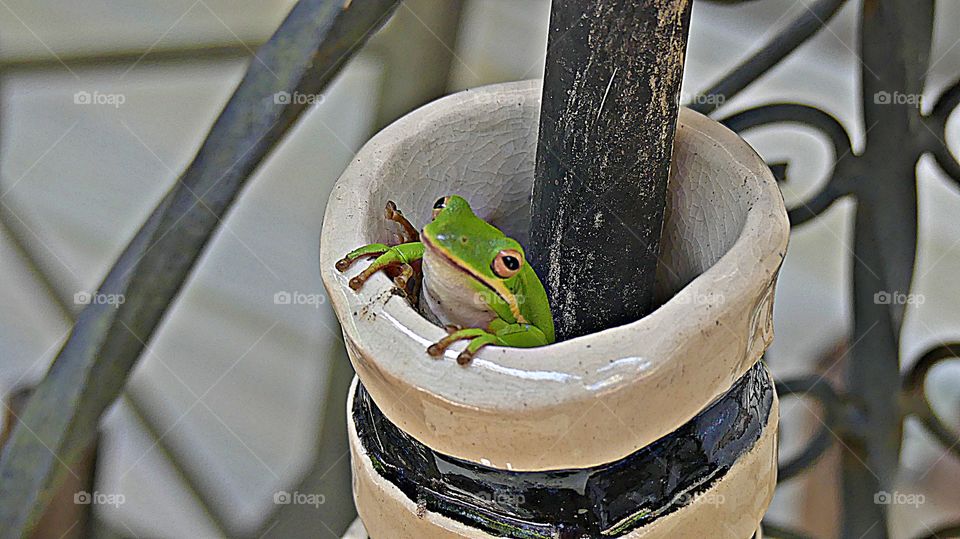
x: 465, y: 357
x: 390, y: 209
x: 404, y: 277
x: 343, y: 264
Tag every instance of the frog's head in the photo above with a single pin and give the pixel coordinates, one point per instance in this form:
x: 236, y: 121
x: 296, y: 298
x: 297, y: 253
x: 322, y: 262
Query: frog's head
x: 485, y: 259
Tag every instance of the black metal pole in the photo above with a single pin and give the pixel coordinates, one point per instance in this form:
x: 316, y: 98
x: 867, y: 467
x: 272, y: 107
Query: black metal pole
x: 895, y: 47
x: 607, y: 123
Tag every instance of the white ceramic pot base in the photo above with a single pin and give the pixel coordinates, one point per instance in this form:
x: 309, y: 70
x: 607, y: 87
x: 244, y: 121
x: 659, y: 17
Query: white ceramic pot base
x: 733, y: 503
x: 357, y: 531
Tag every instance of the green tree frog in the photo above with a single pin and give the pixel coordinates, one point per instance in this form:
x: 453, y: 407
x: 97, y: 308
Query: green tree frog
x: 475, y: 279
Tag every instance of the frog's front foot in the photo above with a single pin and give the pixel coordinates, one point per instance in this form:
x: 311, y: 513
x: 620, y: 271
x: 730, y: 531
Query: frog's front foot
x: 397, y: 260
x: 374, y: 249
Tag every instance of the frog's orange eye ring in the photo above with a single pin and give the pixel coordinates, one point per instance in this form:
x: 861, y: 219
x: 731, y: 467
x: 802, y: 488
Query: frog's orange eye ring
x: 507, y: 263
x: 439, y: 205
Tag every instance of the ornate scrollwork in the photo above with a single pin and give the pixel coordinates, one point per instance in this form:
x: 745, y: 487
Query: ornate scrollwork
x: 836, y: 185
x: 915, y: 397
x: 895, y: 39
x: 937, y: 123
x: 795, y: 34
x: 816, y: 388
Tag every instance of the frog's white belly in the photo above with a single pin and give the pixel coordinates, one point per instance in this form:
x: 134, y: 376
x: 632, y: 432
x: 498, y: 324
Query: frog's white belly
x: 449, y: 295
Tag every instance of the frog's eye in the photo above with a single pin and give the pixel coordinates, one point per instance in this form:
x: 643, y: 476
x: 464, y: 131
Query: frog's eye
x: 439, y: 205
x: 507, y: 263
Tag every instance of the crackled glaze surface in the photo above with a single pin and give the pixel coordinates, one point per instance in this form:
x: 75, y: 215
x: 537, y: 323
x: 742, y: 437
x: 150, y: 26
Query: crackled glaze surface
x: 592, y: 399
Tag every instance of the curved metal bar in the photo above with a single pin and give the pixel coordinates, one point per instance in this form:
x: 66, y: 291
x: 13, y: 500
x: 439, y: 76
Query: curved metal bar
x: 309, y: 48
x: 815, y: 206
x: 916, y: 399
x: 792, y: 113
x: 751, y: 69
x: 816, y: 388
x: 809, y: 116
x: 945, y: 105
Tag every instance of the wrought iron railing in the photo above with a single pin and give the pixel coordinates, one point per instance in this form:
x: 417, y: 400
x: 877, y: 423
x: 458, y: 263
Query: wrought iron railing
x: 868, y: 414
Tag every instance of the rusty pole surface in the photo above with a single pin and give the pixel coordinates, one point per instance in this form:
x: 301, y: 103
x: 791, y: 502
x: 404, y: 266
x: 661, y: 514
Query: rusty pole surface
x: 607, y: 123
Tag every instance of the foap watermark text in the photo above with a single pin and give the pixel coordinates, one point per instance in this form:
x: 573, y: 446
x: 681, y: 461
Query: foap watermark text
x: 898, y: 98
x: 296, y: 98
x: 899, y: 498
x: 98, y: 498
x: 97, y: 298
x: 293, y: 297
x: 283, y: 497
x: 898, y: 298
x: 96, y: 97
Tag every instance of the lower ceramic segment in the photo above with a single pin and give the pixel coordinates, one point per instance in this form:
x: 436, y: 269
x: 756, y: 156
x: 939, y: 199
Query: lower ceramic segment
x: 357, y: 531
x: 713, y: 477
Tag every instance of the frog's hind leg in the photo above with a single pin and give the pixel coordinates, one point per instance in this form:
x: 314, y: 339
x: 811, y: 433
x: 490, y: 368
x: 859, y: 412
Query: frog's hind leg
x: 374, y: 249
x: 410, y: 233
x: 475, y: 345
x: 438, y: 348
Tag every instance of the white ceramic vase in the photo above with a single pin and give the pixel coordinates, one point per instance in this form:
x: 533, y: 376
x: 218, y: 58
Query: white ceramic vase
x: 617, y: 411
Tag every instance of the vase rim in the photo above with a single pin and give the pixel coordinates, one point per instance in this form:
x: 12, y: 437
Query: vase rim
x: 587, y: 400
